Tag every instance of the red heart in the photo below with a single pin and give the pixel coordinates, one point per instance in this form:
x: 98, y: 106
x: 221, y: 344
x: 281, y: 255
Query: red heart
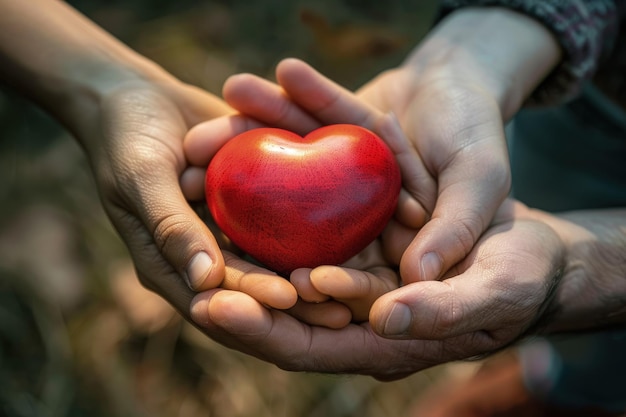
x: 294, y: 202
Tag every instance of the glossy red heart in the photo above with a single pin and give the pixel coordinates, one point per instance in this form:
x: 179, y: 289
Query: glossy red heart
x: 293, y: 202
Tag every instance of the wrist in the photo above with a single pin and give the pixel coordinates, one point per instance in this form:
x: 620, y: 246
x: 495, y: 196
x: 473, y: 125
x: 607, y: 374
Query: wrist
x: 592, y: 291
x: 501, y: 52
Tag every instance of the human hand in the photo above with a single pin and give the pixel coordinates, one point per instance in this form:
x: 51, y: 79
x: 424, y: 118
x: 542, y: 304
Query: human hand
x: 459, y: 170
x: 142, y: 175
x: 487, y: 302
x: 279, y: 337
x: 517, y: 264
x: 130, y: 116
x: 204, y: 140
x: 452, y: 96
x: 267, y: 105
x: 334, y: 296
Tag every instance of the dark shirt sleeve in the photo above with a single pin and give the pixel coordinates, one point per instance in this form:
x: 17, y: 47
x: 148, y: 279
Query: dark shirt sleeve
x: 585, y: 29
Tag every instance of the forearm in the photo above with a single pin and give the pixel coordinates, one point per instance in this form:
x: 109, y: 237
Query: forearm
x: 501, y: 52
x: 586, y: 31
x: 61, y: 60
x: 592, y: 291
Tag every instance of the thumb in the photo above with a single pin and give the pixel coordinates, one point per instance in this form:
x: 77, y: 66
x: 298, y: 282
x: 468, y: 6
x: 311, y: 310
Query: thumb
x: 495, y: 294
x: 166, y: 237
x: 137, y: 165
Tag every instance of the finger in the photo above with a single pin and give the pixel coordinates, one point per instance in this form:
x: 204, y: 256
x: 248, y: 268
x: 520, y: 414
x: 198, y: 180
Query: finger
x: 469, y: 194
x: 396, y: 238
x: 331, y: 314
x: 235, y: 311
x: 237, y: 320
x: 325, y: 100
x: 417, y: 202
x: 192, y: 183
x: 354, y: 288
x: 133, y: 185
x: 431, y: 310
x: 178, y: 234
x: 183, y: 239
x: 409, y: 211
x: 203, y: 141
x: 345, y: 284
x: 330, y: 103
x: 266, y: 102
x: 301, y: 280
x: 240, y: 322
x: 263, y: 285
x: 370, y: 257
x: 499, y: 293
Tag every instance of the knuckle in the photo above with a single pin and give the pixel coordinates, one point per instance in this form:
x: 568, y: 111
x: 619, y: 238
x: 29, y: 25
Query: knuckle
x: 467, y: 230
x: 447, y: 314
x: 168, y: 230
x: 446, y: 319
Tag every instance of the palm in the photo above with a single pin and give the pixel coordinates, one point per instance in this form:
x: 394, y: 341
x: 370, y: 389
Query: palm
x: 517, y: 259
x: 138, y: 160
x: 458, y: 132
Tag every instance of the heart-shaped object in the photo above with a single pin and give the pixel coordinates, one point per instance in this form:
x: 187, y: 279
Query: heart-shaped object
x: 290, y: 201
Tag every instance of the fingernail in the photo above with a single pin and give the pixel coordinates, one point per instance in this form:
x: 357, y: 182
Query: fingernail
x: 198, y: 269
x: 398, y: 321
x: 431, y: 266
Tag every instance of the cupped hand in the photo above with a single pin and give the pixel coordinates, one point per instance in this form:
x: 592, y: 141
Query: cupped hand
x: 333, y: 296
x: 455, y: 168
x: 485, y: 303
x: 135, y: 146
x: 305, y: 101
x: 368, y: 275
x: 497, y: 293
x: 457, y: 129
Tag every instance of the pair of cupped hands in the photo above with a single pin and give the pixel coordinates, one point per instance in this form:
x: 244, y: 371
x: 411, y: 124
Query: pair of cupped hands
x: 459, y: 271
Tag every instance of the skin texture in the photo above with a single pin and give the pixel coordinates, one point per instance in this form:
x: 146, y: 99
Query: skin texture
x: 415, y: 175
x: 130, y: 117
x: 455, y: 166
x: 529, y: 272
x: 454, y: 120
x: 455, y: 320
x: 447, y: 331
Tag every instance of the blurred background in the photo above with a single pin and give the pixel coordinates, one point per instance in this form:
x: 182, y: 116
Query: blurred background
x: 78, y: 335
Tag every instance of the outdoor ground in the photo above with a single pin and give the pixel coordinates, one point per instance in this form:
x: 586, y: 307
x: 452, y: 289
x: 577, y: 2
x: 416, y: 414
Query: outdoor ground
x: 70, y: 342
